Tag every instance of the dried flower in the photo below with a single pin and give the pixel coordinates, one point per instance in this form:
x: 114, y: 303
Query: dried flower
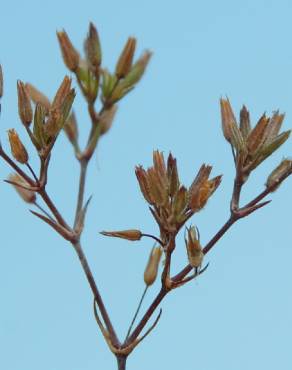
x: 24, y: 105
x: 17, y: 148
x: 151, y: 270
x: 27, y: 195
x: 125, y: 61
x: 194, y: 249
x: 279, y: 174
x: 132, y: 234
x: 69, y: 53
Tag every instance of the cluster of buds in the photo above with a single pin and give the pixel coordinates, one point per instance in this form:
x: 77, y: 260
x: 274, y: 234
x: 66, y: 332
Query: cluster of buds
x: 48, y: 119
x: 86, y: 70
x: 127, y: 75
x: 251, y: 145
x: 171, y: 203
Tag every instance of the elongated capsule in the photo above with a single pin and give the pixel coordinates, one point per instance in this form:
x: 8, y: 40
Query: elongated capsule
x: 151, y: 269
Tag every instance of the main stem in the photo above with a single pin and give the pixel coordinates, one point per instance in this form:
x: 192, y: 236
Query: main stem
x: 121, y: 362
x: 96, y: 293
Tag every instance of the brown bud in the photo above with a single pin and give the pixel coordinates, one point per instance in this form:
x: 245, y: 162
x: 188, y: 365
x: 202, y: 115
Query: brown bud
x: 228, y: 118
x: 194, y: 249
x: 132, y: 235
x: 137, y: 70
x: 37, y: 96
x: 283, y: 170
x: 200, y: 188
x: 274, y: 126
x: 62, y: 92
x: 93, y: 48
x: 27, y: 195
x: 106, y: 119
x: 17, y: 148
x: 1, y: 82
x: 142, y: 178
x: 151, y: 270
x: 24, y: 105
x: 125, y: 61
x: 244, y: 122
x: 172, y: 174
x: 258, y: 135
x: 69, y: 53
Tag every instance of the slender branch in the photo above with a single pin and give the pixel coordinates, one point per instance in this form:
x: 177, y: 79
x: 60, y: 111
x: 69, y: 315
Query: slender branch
x: 53, y: 209
x: 80, y: 197
x: 32, y: 172
x: 146, y: 316
x: 43, y: 210
x: 137, y: 312
x: 257, y: 199
x: 97, y: 296
x: 153, y: 237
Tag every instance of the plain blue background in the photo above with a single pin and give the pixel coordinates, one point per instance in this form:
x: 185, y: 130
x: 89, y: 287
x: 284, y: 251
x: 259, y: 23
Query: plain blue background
x: 237, y: 316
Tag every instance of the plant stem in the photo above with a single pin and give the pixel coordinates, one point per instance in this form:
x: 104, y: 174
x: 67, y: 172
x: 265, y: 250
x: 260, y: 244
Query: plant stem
x: 80, y: 197
x: 43, y: 210
x: 97, y: 296
x: 137, y: 311
x: 146, y: 316
x: 121, y: 362
x: 53, y: 209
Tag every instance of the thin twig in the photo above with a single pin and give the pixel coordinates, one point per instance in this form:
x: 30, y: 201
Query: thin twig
x: 32, y: 172
x: 153, y: 237
x: 137, y: 312
x: 43, y: 210
x: 81, y: 190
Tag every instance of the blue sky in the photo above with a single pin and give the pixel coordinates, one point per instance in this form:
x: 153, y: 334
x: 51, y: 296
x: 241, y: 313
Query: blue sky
x: 238, y: 314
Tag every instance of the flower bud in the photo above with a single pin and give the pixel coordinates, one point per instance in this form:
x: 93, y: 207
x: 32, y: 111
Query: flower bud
x: 69, y: 53
x: 125, y: 61
x: 62, y: 92
x: 17, y: 148
x: 27, y: 195
x: 227, y: 117
x: 137, y: 70
x: 244, y: 122
x: 24, y: 105
x: 257, y: 136
x: 93, y: 48
x: 132, y: 234
x: 150, y: 273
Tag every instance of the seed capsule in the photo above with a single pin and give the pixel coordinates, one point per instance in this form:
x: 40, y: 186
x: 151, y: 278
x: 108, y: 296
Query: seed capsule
x: 151, y: 270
